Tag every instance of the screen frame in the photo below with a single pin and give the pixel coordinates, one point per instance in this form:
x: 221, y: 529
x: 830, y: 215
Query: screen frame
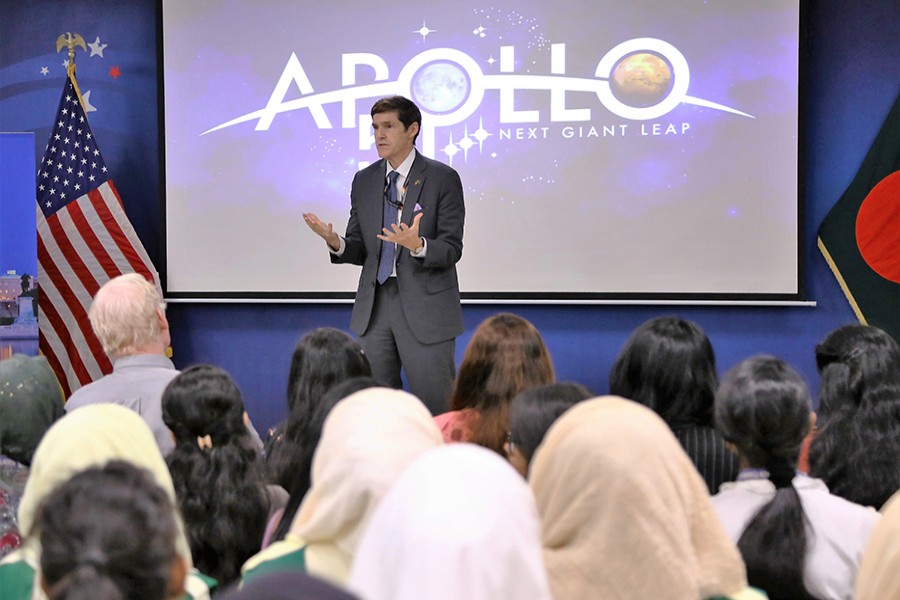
x: 798, y: 298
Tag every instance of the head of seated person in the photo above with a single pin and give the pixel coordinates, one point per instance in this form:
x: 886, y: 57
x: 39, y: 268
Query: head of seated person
x: 533, y: 412
x: 299, y: 477
x: 367, y: 440
x: 851, y: 359
x: 624, y: 513
x: 216, y: 470
x: 505, y: 356
x: 459, y: 523
x: 31, y: 400
x: 128, y: 316
x: 322, y: 358
x: 89, y: 437
x: 668, y: 365
x: 797, y: 539
x: 109, y: 532
x: 856, y: 447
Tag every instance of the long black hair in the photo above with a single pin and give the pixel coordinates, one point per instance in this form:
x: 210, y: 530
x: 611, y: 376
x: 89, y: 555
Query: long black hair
x: 216, y: 470
x: 668, y: 364
x: 300, y: 475
x: 321, y: 359
x: 856, y: 450
x: 108, y: 533
x: 763, y: 408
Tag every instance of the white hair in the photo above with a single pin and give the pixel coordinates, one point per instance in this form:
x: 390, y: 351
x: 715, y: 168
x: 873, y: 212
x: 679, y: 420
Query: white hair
x: 124, y: 314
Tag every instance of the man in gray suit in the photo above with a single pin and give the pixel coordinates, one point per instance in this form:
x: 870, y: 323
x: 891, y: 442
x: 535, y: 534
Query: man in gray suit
x: 406, y: 230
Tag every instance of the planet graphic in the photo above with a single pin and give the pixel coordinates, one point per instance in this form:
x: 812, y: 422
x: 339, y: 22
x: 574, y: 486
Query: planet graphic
x: 641, y: 79
x: 440, y: 87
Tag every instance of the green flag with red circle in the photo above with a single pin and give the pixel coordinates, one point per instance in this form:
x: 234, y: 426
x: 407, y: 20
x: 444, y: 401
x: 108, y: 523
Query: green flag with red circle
x: 860, y: 236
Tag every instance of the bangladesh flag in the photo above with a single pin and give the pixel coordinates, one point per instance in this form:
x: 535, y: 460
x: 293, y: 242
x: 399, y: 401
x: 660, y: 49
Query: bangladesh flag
x: 860, y: 236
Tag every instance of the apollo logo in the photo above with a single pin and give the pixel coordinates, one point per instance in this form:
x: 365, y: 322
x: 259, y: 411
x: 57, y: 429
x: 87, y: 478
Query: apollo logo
x: 638, y: 80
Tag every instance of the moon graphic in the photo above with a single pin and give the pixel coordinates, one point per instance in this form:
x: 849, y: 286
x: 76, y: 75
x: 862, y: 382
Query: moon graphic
x: 440, y: 87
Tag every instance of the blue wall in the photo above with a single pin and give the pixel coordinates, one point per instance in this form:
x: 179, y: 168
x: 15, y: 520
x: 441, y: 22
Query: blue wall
x: 852, y: 78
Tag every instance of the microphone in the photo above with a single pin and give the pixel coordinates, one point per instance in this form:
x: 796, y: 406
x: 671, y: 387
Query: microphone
x: 387, y: 197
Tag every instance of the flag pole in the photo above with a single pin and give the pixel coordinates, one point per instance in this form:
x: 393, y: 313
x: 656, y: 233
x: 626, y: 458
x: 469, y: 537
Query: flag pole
x: 70, y: 41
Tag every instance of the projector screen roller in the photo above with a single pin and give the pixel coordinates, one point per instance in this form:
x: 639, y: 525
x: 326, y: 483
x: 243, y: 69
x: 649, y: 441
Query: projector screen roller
x: 643, y: 149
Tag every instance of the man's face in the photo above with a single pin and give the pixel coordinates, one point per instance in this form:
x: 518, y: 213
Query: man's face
x: 393, y: 141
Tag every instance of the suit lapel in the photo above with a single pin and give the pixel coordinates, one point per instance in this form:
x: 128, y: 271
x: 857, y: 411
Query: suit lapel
x: 374, y: 190
x: 414, y: 182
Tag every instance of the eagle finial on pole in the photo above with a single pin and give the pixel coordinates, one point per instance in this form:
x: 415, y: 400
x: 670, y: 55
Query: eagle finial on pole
x: 69, y: 40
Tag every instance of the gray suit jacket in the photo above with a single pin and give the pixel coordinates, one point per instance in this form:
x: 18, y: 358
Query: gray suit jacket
x: 429, y: 288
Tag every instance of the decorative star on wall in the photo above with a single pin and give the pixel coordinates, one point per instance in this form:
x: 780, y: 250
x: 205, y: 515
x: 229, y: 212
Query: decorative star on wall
x: 114, y: 72
x: 97, y: 48
x: 88, y: 107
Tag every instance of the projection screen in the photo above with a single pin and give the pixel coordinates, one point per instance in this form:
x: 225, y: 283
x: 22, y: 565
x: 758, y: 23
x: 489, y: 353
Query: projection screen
x: 641, y: 149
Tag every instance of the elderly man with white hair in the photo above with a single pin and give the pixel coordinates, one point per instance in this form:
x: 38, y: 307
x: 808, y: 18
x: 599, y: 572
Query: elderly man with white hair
x: 128, y: 316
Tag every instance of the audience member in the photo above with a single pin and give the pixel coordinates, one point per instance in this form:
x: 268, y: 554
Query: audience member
x: 505, y: 356
x: 798, y: 541
x: 280, y: 523
x: 128, y: 316
x: 30, y: 401
x: 668, y: 365
x: 856, y: 449
x: 217, y: 471
x: 109, y: 533
x: 533, y: 412
x: 624, y: 512
x: 879, y: 573
x: 459, y: 523
x: 367, y: 441
x: 89, y: 437
x: 287, y: 585
x: 322, y: 358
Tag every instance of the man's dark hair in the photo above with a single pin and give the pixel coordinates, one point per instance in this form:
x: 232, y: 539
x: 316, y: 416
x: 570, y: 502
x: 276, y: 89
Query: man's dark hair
x: 407, y: 112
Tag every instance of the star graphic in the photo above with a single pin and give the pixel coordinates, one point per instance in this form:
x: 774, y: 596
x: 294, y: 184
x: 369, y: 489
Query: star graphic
x: 65, y: 64
x: 44, y: 70
x: 424, y: 31
x: 491, y: 60
x: 97, y: 47
x: 465, y: 143
x: 481, y: 134
x: 450, y: 149
x: 88, y: 107
x: 114, y: 72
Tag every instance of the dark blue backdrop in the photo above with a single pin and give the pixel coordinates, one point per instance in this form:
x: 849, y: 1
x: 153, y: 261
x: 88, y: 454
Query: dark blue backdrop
x: 851, y: 79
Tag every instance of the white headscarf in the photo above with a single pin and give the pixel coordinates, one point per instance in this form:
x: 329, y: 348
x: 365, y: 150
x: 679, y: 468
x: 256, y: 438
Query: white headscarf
x: 91, y: 437
x: 624, y: 512
x: 460, y: 523
x: 367, y: 441
x: 879, y: 573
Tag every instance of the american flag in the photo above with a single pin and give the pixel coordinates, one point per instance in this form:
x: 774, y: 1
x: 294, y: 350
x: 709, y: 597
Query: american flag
x: 84, y: 240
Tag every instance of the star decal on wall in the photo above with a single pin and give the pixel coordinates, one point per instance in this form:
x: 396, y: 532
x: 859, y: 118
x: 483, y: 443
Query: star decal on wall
x: 88, y: 107
x: 97, y: 48
x: 114, y: 72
